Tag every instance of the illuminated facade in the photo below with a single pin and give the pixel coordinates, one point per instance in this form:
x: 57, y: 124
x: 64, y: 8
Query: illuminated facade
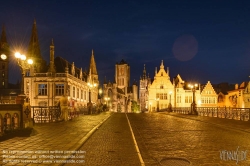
x: 162, y: 93
x: 119, y: 95
x: 44, y: 85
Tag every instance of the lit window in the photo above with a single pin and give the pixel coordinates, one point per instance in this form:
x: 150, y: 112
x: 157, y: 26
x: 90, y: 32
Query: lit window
x: 42, y: 89
x: 74, y: 91
x: 59, y: 89
x: 69, y: 90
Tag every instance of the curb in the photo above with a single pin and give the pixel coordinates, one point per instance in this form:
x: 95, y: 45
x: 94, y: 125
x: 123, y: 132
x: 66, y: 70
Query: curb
x: 87, y: 136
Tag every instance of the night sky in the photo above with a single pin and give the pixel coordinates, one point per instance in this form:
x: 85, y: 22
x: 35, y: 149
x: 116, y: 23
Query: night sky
x: 200, y: 40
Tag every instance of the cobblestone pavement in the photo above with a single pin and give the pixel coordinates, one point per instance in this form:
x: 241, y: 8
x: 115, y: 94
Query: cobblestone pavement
x: 200, y: 140
x: 61, y: 136
x: 111, y: 144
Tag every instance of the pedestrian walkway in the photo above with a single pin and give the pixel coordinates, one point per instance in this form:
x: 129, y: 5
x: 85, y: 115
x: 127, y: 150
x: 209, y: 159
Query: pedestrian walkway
x: 58, y: 137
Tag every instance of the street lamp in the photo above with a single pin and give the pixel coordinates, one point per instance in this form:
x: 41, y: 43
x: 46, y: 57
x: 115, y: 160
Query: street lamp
x: 107, y: 101
x: 170, y: 106
x: 100, y: 95
x: 193, y: 105
x: 91, y: 85
x: 24, y: 64
x: 157, y: 104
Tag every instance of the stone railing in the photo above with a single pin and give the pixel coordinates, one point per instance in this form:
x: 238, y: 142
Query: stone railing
x: 11, y: 117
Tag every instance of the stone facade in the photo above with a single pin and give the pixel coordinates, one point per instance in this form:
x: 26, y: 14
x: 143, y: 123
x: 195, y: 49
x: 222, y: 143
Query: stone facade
x: 119, y: 95
x: 45, y: 85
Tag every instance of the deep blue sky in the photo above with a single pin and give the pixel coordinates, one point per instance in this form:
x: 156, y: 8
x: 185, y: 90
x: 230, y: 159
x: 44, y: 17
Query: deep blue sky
x: 200, y: 40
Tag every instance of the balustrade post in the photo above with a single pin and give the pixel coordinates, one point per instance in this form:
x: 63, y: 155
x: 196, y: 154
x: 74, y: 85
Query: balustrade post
x: 26, y: 114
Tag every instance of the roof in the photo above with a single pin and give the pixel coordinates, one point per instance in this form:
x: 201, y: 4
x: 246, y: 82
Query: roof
x: 122, y: 62
x: 60, y: 65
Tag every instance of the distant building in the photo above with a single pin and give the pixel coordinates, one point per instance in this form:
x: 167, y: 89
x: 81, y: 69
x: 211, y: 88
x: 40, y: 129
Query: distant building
x: 160, y: 93
x: 143, y: 90
x: 119, y: 95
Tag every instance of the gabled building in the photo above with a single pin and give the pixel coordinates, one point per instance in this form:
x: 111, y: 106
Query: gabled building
x: 161, y: 94
x: 209, y: 97
x: 160, y: 90
x: 45, y: 84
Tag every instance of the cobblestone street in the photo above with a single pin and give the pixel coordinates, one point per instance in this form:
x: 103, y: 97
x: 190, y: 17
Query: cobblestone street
x: 111, y: 144
x: 197, y: 139
x: 161, y: 138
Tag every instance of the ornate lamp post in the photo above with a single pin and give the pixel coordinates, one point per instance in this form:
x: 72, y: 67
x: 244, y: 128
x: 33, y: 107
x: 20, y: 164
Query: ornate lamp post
x: 24, y: 64
x: 91, y: 85
x: 170, y: 105
x: 193, y: 105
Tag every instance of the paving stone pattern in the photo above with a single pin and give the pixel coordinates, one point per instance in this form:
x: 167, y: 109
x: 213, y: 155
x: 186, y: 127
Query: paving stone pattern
x: 62, y: 136
x: 111, y: 144
x: 197, y: 139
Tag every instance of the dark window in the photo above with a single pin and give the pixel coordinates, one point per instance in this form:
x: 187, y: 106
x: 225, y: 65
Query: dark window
x: 42, y: 89
x: 59, y: 89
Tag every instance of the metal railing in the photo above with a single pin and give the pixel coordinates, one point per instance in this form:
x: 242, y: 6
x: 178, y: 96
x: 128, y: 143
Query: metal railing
x: 45, y: 114
x: 220, y: 112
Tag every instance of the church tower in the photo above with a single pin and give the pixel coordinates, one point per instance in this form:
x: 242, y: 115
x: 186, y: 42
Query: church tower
x: 122, y: 75
x: 34, y: 52
x: 4, y: 60
x: 143, y: 91
x: 92, y: 68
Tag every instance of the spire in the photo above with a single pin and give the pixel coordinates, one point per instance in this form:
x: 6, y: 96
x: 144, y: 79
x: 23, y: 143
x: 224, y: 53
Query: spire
x: 52, y: 53
x: 34, y: 51
x: 155, y: 70
x: 92, y: 66
x: 144, y: 72
x: 80, y: 74
x: 3, y: 36
x: 162, y: 66
x: 73, y: 69
x: 4, y: 47
x: 34, y: 47
x: 67, y: 68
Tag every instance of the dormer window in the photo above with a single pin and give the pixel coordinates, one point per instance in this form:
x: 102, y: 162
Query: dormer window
x: 161, y: 87
x: 161, y: 73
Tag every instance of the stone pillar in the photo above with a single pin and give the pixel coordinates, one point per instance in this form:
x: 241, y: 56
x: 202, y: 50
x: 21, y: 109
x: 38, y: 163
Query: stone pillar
x: 27, y: 121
